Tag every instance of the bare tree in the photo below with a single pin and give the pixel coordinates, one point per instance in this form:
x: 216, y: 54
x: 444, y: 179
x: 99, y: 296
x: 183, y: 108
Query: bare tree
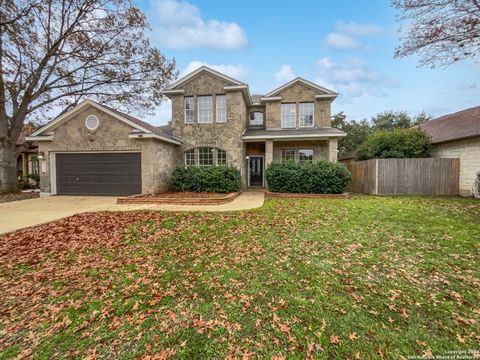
x: 55, y: 53
x: 441, y: 32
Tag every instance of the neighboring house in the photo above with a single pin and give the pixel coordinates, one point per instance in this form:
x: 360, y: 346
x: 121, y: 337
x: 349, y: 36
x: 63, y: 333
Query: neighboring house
x: 94, y: 149
x: 27, y: 160
x: 347, y: 158
x: 457, y: 135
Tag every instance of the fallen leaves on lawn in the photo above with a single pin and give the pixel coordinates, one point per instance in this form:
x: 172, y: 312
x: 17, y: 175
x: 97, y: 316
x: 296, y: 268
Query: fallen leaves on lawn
x: 379, y: 351
x: 353, y: 336
x: 334, y: 339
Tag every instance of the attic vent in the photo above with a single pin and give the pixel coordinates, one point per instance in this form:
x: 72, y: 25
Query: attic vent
x: 92, y: 122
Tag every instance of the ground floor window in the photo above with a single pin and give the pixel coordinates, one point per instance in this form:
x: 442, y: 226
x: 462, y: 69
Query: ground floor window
x: 20, y: 165
x: 305, y: 154
x: 33, y: 165
x: 190, y: 157
x: 205, y: 156
x: 288, y: 154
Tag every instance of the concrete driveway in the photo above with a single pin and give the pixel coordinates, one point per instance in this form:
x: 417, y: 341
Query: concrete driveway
x: 17, y: 215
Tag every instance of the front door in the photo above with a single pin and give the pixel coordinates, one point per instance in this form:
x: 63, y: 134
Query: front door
x: 255, y: 171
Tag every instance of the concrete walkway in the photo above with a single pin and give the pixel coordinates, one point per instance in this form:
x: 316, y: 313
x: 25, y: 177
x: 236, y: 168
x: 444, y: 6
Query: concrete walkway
x: 20, y: 214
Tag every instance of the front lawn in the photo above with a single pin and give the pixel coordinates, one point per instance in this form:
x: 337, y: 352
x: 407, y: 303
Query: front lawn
x: 359, y: 278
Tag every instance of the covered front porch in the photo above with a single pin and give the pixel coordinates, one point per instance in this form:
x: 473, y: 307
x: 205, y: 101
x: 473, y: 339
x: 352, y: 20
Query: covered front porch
x: 261, y: 152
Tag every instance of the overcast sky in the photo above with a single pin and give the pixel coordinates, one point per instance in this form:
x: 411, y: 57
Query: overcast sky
x: 346, y: 46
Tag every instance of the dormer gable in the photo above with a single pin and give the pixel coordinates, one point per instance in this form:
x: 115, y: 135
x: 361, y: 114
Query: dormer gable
x: 319, y: 92
x: 178, y: 85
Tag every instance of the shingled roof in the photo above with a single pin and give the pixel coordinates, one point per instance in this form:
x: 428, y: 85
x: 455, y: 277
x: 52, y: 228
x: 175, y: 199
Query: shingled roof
x: 164, y: 130
x: 460, y: 125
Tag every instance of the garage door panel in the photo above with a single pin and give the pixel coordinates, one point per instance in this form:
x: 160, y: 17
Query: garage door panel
x: 99, y: 174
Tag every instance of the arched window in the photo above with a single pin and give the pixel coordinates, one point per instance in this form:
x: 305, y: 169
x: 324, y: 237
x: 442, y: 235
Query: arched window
x: 205, y: 156
x: 256, y: 118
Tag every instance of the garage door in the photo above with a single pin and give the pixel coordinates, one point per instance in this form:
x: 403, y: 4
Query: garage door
x: 99, y: 174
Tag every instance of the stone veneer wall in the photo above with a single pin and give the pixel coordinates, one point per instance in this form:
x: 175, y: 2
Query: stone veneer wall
x: 468, y: 151
x: 298, y: 93
x: 226, y: 136
x: 320, y: 148
x: 158, y: 158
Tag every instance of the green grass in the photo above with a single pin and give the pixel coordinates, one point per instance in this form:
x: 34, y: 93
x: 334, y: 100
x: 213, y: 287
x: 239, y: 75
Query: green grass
x: 365, y: 277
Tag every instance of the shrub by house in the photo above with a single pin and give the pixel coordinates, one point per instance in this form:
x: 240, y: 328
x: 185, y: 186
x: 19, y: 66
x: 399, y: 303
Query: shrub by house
x: 398, y: 143
x: 320, y: 177
x: 221, y: 179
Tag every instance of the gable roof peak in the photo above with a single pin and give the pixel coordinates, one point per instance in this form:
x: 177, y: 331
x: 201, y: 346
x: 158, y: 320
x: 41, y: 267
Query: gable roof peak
x: 299, y: 79
x: 201, y: 69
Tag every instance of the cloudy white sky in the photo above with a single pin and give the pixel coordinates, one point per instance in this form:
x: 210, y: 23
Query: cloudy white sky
x: 346, y: 46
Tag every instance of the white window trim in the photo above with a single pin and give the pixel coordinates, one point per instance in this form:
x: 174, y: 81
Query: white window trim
x: 288, y: 149
x: 196, y: 156
x: 198, y: 109
x: 185, y: 110
x: 97, y: 124
x: 305, y: 149
x: 300, y: 115
x: 185, y: 157
x: 295, y: 116
x: 217, y: 108
x: 253, y: 113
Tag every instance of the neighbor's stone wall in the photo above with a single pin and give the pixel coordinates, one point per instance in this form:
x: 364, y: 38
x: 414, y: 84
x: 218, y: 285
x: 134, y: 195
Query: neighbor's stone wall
x: 298, y: 93
x: 112, y: 135
x: 468, y: 151
x: 226, y: 136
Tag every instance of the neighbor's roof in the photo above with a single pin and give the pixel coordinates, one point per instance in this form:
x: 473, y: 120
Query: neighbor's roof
x: 460, y: 125
x: 324, y: 131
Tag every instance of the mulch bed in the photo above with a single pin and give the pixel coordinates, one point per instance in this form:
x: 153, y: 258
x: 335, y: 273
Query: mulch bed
x: 4, y: 198
x: 305, y: 196
x: 180, y: 198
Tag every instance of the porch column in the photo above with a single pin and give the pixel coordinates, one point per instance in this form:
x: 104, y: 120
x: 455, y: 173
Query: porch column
x: 268, y: 152
x: 332, y: 150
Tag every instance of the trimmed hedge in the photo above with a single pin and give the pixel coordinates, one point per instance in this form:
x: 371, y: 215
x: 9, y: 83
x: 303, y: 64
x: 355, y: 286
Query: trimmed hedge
x: 320, y: 177
x: 221, y: 179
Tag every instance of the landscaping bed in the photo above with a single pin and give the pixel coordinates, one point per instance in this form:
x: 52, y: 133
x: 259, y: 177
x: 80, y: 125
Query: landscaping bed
x: 270, y: 194
x: 4, y: 198
x: 180, y: 198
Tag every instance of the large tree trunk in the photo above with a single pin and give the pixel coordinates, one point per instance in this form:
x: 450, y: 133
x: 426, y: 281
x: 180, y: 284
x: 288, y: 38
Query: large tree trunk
x: 8, y: 167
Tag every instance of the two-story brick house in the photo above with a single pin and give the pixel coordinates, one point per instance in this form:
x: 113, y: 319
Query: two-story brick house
x: 93, y: 149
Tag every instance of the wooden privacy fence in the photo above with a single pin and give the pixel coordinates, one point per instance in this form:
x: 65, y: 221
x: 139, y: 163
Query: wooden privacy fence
x: 429, y: 176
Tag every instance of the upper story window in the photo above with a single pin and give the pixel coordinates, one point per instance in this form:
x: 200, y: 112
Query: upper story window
x: 221, y: 108
x: 205, y: 109
x: 288, y: 115
x: 256, y: 118
x: 306, y: 111
x: 189, y: 109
